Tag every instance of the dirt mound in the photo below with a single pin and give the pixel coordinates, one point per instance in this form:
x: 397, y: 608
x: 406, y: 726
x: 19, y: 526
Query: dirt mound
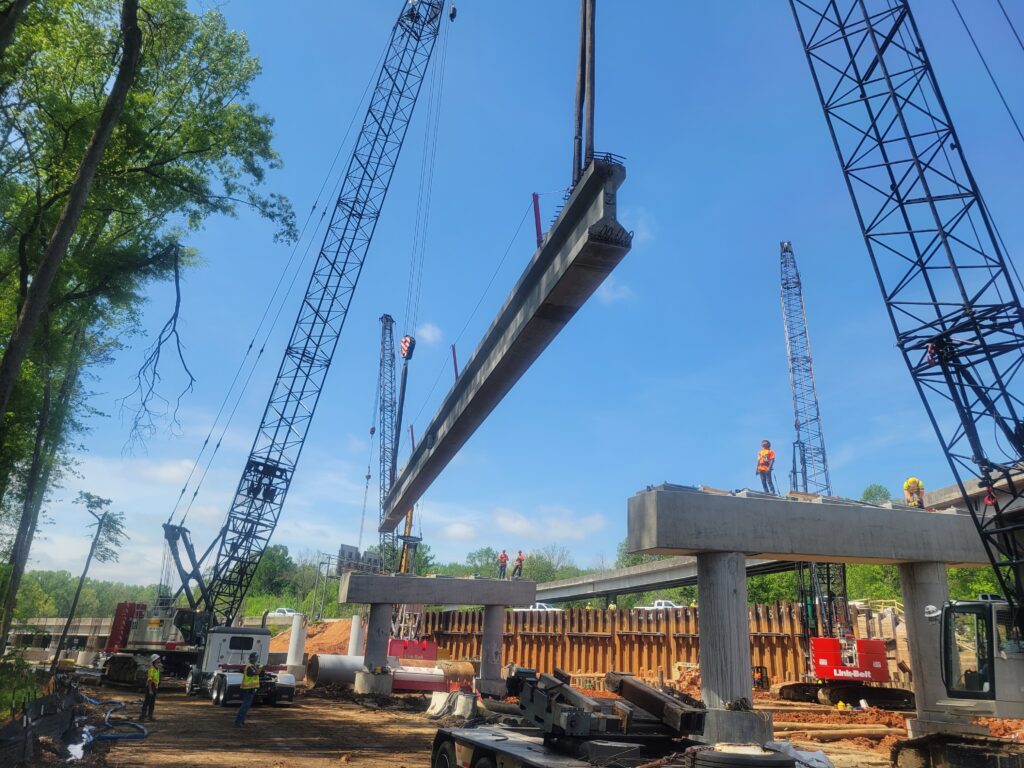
x: 1007, y: 729
x: 323, y: 637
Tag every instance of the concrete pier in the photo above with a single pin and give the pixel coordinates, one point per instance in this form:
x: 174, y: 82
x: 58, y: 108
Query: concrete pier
x: 724, y: 529
x: 383, y: 593
x: 724, y: 635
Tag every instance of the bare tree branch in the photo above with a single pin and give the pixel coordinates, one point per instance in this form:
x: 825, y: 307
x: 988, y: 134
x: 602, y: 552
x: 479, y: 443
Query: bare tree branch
x: 152, y: 406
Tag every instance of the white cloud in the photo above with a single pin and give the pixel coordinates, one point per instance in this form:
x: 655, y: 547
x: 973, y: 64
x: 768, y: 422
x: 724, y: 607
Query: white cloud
x: 612, y: 291
x: 459, y: 532
x: 549, y: 524
x: 429, y: 334
x: 510, y: 521
x: 641, y: 222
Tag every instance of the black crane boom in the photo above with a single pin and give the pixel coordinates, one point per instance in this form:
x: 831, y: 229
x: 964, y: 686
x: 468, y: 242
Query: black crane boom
x: 275, y: 452
x: 944, y: 277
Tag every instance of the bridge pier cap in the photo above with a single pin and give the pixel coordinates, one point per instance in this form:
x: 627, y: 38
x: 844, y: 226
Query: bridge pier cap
x: 684, y: 520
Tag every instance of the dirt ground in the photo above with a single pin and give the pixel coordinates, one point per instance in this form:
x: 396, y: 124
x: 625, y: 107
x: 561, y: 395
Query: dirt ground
x: 311, y: 733
x: 317, y: 732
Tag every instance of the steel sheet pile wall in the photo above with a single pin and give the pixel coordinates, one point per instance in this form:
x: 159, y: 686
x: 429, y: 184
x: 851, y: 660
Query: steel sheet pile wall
x: 593, y: 642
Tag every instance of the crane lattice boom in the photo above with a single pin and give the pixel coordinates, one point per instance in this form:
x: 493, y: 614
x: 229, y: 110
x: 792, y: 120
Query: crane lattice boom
x: 275, y: 452
x: 937, y: 257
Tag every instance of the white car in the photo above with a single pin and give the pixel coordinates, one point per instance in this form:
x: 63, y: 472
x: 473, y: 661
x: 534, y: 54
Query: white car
x: 538, y: 607
x: 284, y: 612
x: 658, y: 604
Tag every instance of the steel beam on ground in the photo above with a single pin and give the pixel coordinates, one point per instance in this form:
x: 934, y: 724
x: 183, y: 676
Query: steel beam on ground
x: 578, y: 253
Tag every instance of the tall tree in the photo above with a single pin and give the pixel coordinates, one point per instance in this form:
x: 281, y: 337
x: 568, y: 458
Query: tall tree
x: 10, y: 15
x: 37, y: 297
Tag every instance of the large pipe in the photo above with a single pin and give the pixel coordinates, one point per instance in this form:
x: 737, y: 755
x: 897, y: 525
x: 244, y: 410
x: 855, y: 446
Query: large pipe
x: 333, y: 669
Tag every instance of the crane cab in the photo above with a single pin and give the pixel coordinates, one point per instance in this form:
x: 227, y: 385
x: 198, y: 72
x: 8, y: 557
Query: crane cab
x: 982, y: 659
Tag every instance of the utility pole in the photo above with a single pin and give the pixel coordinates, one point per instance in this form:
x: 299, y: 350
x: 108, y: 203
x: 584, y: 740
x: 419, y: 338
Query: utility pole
x: 101, y: 521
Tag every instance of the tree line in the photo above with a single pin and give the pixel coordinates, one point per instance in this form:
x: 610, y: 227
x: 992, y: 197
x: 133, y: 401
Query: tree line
x: 282, y: 581
x: 124, y: 126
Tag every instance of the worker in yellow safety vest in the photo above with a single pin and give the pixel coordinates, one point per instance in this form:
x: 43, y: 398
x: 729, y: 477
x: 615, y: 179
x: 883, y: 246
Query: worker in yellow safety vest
x: 250, y: 685
x: 152, y: 684
x: 913, y: 492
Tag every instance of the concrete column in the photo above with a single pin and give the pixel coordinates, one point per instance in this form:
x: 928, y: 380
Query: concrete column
x: 377, y: 635
x: 924, y: 584
x: 297, y: 641
x: 725, y: 650
x: 296, y: 662
x: 724, y: 630
x: 490, y: 683
x: 356, y: 636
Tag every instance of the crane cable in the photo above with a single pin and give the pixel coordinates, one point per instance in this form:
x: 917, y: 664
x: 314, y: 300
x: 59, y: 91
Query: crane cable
x: 1010, y: 22
x: 988, y: 70
x: 417, y: 257
x: 282, y: 300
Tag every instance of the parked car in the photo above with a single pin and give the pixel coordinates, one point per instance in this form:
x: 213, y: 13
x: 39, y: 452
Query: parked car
x: 658, y: 604
x: 538, y: 607
x: 285, y: 612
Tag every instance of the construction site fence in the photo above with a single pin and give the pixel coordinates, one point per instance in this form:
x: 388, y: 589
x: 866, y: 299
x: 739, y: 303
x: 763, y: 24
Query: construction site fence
x: 648, y: 643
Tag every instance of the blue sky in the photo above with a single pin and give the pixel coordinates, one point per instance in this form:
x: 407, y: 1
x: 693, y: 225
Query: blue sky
x: 673, y: 372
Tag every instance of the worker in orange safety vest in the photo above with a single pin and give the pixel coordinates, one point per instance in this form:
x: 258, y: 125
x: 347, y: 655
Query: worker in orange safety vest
x: 765, y: 465
x: 502, y: 564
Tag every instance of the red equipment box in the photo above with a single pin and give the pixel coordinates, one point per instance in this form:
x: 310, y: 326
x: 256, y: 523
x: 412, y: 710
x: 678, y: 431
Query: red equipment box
x: 862, y: 660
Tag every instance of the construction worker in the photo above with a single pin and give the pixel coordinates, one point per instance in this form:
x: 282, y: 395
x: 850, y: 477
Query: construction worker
x: 517, y: 570
x: 913, y: 492
x: 765, y: 465
x: 502, y: 564
x: 250, y: 685
x: 152, y: 684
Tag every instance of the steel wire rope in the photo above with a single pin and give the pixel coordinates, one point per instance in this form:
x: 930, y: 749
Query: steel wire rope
x: 988, y: 70
x: 369, y: 460
x: 1010, y: 22
x: 430, y: 183
x: 270, y: 303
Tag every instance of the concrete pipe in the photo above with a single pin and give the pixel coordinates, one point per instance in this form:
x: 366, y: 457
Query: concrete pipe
x: 333, y: 669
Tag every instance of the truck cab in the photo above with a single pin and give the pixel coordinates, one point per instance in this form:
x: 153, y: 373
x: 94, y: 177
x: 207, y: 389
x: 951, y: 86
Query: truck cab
x: 219, y: 673
x: 982, y: 659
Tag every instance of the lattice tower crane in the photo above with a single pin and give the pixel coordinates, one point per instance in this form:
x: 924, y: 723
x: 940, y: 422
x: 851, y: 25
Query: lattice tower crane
x: 822, y: 585
x: 275, y: 453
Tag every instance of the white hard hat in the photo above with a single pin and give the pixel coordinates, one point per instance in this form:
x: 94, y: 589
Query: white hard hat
x: 154, y: 658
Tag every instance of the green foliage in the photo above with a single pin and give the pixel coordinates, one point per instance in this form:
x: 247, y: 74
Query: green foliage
x: 625, y: 559
x: 968, y: 583
x: 18, y: 682
x: 274, y: 571
x: 876, y: 493
x: 48, y: 593
x: 873, y: 582
x: 772, y: 587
